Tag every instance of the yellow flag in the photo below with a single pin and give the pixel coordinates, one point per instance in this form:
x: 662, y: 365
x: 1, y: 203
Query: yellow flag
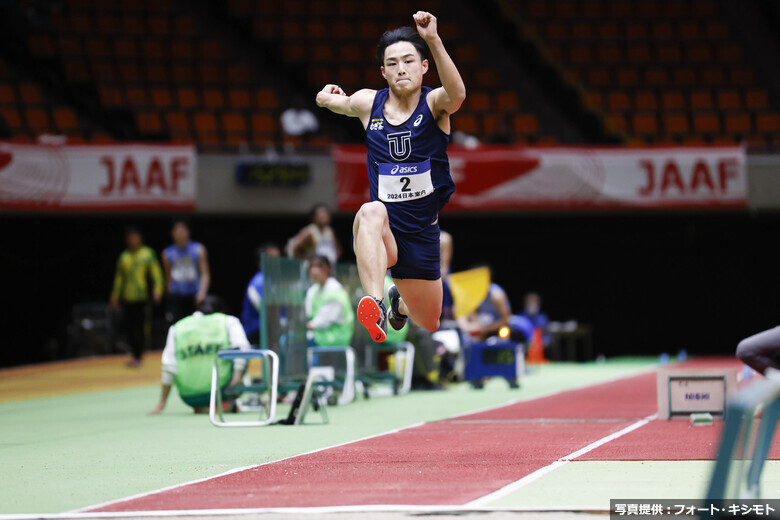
x: 469, y: 289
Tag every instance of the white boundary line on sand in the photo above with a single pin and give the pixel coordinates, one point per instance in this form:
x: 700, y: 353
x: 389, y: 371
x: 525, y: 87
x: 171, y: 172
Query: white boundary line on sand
x: 81, y: 512
x: 536, y: 475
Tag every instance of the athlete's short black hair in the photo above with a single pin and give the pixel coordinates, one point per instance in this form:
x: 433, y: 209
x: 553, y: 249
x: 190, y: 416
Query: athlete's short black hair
x: 265, y: 246
x: 320, y: 259
x: 133, y: 230
x: 402, y: 34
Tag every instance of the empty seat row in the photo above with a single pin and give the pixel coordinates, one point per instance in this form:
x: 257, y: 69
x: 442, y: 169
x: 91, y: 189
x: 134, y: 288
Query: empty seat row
x: 675, y: 99
x: 738, y: 124
x: 637, y: 31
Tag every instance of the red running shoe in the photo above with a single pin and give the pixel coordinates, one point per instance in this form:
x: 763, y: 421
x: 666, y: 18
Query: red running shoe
x: 371, y: 313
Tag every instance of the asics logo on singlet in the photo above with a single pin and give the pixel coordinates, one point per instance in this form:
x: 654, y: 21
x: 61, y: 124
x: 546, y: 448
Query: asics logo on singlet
x: 376, y: 125
x: 403, y: 169
x: 417, y: 121
x: 400, y: 144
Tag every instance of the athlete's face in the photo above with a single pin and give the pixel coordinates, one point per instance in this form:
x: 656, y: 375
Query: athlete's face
x: 322, y: 217
x: 133, y: 241
x: 403, y: 67
x: 180, y: 233
x: 318, y: 271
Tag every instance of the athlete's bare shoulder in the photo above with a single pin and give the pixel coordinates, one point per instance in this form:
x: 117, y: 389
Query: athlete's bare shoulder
x: 357, y: 105
x: 361, y: 103
x: 363, y: 99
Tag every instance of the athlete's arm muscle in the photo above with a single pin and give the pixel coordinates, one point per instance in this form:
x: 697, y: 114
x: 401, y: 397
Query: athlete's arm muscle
x: 337, y: 101
x: 448, y: 98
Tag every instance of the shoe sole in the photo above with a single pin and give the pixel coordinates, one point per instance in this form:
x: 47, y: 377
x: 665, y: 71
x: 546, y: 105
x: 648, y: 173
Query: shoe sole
x: 395, y: 321
x: 368, y: 313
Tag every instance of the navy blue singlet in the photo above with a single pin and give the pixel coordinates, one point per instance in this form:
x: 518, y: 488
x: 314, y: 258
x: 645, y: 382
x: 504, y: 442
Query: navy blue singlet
x: 408, y: 169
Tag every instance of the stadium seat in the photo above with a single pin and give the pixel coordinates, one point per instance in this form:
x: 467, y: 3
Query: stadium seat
x: 162, y: 98
x: 639, y: 54
x: 738, y: 123
x: 213, y: 98
x: 266, y: 98
x: 30, y: 93
x: 234, y: 126
x: 729, y: 100
x: 508, y: 100
x: 187, y: 98
x: 12, y: 118
x: 767, y: 122
x: 701, y: 100
x: 65, y: 120
x: 616, y: 122
x: 7, y: 94
x: 526, y: 124
x: 756, y: 99
x: 479, y: 101
x: 137, y: 96
x: 149, y: 122
x: 238, y: 98
x: 619, y: 100
x: 644, y: 124
x: 37, y: 120
x: 628, y: 77
x: 675, y: 123
x: 706, y: 123
x: 178, y: 122
x: 645, y: 100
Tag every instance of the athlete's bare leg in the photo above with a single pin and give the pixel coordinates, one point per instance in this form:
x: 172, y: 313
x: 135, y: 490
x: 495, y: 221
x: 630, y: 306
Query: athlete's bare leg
x: 375, y: 247
x: 421, y: 301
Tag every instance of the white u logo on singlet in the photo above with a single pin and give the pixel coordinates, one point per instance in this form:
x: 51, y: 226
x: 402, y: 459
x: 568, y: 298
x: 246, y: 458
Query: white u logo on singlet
x: 400, y: 144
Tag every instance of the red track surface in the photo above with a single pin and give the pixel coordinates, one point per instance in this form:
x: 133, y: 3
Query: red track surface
x: 434, y: 464
x: 624, y: 399
x: 456, y: 461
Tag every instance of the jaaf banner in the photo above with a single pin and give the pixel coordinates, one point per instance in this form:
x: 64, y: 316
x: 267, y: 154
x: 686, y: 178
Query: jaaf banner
x: 118, y: 177
x: 508, y: 178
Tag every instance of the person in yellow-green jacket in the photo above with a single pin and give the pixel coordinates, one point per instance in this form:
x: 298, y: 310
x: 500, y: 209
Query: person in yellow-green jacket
x: 328, y: 307
x: 136, y: 269
x: 190, y: 350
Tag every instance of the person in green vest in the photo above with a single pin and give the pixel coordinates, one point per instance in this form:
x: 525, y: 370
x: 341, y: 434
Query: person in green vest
x: 192, y: 346
x: 329, y: 313
x: 131, y: 293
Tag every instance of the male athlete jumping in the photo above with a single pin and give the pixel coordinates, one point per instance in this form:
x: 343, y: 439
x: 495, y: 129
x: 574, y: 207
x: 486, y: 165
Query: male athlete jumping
x: 407, y: 132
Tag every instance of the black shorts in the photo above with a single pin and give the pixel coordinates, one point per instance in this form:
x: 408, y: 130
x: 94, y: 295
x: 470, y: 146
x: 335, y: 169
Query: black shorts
x: 419, y: 255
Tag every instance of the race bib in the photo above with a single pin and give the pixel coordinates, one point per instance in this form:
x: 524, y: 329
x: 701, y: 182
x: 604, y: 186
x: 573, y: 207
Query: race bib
x: 405, y: 181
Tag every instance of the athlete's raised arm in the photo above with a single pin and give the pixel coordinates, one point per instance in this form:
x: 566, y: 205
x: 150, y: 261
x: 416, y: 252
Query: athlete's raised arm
x: 450, y: 96
x: 336, y: 100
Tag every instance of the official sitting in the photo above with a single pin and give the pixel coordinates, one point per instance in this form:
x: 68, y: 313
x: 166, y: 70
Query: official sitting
x: 329, y: 314
x: 190, y: 350
x: 490, y: 316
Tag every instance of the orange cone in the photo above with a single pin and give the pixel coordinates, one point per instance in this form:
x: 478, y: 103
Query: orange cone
x: 536, y: 348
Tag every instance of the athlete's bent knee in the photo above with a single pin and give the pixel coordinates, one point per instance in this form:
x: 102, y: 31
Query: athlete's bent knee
x: 431, y: 325
x: 372, y: 211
